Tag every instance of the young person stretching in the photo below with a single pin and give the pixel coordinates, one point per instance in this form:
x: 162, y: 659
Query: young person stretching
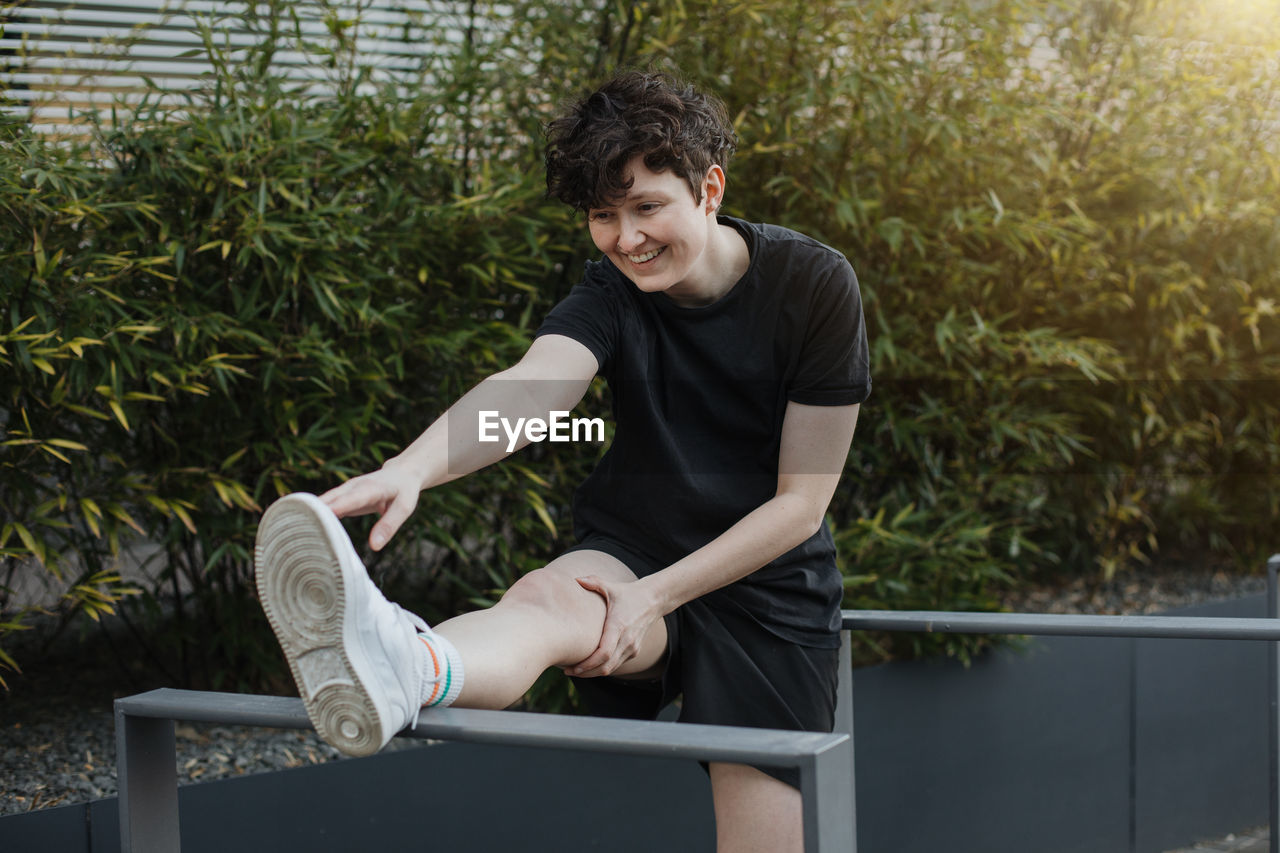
x: 736, y: 357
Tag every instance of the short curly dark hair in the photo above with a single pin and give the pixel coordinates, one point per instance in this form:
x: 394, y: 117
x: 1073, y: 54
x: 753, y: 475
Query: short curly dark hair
x: 637, y: 113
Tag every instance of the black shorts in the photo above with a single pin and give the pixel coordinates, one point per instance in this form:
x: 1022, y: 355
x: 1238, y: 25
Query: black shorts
x: 730, y: 670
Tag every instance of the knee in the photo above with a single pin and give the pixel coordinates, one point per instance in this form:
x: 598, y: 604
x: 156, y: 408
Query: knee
x: 550, y: 591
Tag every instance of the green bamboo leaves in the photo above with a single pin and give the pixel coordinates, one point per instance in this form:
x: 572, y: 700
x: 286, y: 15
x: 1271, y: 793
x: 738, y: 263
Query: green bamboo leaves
x: 1064, y: 221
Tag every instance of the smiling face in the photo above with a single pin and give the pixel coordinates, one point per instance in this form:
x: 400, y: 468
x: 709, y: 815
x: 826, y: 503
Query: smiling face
x: 663, y: 239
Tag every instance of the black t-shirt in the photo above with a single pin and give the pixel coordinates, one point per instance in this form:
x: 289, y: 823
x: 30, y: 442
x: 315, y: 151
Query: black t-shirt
x: 699, y: 396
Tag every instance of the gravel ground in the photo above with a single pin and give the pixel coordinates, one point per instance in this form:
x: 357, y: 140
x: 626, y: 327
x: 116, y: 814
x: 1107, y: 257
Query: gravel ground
x: 1251, y: 841
x: 58, y: 744
x: 57, y: 735
x: 1137, y: 593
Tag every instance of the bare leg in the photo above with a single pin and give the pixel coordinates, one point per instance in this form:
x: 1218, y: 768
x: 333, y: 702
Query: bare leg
x: 545, y: 619
x: 755, y: 813
x: 364, y: 665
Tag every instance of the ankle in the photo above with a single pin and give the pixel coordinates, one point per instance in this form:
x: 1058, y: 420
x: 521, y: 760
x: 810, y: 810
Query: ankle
x: 444, y: 673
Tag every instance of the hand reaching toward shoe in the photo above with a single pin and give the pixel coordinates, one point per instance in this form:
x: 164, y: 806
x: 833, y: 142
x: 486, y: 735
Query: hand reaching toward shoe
x: 522, y: 391
x: 391, y: 492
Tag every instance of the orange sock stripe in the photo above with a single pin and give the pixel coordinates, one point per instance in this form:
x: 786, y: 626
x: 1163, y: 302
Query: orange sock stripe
x: 435, y: 661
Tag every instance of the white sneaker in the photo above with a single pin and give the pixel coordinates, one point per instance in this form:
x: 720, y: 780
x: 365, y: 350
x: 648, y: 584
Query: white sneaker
x: 360, y: 666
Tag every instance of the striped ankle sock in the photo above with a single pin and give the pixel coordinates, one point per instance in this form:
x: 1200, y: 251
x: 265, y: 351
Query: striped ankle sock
x: 444, y: 671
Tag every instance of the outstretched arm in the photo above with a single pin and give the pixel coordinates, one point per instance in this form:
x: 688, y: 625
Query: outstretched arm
x: 552, y: 376
x: 815, y: 445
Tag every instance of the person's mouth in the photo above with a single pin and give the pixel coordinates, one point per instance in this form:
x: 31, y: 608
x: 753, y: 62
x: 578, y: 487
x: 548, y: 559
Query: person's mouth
x: 639, y: 260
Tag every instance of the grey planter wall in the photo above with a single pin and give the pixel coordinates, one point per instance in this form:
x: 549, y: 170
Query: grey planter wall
x: 1075, y: 745
x: 450, y: 798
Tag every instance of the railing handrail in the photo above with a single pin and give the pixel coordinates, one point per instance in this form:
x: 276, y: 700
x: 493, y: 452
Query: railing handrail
x: 1063, y: 624
x: 769, y: 747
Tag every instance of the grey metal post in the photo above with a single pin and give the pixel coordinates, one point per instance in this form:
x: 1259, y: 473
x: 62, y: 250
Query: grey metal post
x: 147, y: 771
x: 844, y: 725
x: 1273, y: 672
x: 826, y: 789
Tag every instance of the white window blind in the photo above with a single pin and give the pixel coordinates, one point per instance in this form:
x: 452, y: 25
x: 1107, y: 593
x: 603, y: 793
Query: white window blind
x: 61, y: 61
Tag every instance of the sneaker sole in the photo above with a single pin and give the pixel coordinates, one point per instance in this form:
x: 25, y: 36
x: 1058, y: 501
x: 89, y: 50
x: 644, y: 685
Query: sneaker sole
x: 304, y: 592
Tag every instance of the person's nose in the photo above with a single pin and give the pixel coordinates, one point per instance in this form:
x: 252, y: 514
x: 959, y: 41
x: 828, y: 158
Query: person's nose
x: 630, y: 235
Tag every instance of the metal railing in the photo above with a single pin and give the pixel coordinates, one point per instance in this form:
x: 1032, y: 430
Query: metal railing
x: 147, y: 764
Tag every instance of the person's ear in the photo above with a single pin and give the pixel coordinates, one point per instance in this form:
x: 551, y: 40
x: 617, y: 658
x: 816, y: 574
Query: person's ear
x: 713, y: 186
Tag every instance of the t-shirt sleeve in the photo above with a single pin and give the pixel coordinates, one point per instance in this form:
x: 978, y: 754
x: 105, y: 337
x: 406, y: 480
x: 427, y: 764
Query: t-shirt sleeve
x: 834, y: 366
x: 588, y: 315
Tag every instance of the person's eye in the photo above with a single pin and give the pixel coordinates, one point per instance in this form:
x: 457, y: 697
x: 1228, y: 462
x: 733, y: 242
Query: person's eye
x: 650, y: 207
x: 599, y: 216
